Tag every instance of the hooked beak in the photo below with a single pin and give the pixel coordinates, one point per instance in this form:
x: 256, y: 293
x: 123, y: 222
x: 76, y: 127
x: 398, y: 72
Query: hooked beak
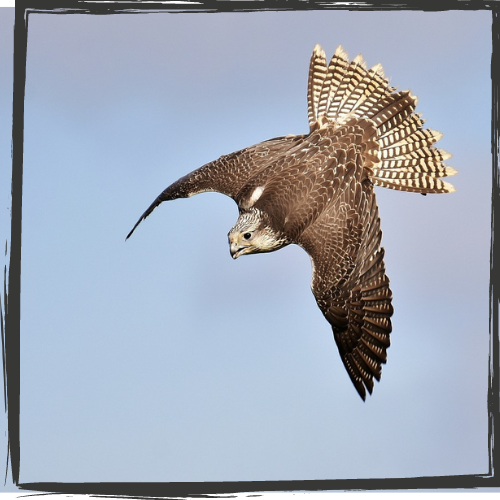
x: 235, y: 250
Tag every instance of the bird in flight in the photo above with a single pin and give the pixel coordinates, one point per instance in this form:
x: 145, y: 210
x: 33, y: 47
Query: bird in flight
x: 316, y: 190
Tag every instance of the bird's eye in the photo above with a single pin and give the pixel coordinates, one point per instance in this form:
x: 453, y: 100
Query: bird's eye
x: 247, y: 236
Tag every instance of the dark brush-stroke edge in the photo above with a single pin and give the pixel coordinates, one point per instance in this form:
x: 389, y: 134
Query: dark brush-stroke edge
x: 494, y: 354
x: 197, y: 489
x: 12, y: 299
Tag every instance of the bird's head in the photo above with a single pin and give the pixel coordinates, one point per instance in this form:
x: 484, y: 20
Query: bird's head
x: 252, y: 233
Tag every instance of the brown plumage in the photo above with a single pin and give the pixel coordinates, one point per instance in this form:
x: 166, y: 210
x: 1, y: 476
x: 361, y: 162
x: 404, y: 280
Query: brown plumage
x: 316, y: 190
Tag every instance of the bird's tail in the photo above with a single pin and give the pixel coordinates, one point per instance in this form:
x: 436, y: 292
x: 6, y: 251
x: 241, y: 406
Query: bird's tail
x: 343, y: 90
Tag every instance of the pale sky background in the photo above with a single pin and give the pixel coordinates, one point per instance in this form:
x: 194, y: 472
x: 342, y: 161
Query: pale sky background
x: 162, y: 359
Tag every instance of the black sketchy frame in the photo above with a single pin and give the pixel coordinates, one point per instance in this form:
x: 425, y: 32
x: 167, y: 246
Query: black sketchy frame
x: 10, y: 312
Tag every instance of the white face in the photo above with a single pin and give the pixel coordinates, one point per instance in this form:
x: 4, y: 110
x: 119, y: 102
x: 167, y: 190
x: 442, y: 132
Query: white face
x: 249, y: 235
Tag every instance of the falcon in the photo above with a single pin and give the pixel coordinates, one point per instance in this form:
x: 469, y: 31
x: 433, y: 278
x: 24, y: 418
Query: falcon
x: 316, y: 190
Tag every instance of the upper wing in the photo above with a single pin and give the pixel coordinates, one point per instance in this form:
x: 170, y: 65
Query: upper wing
x: 226, y: 175
x: 349, y: 281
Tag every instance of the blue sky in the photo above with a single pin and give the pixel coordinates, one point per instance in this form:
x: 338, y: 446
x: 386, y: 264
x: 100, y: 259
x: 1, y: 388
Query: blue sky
x: 162, y: 359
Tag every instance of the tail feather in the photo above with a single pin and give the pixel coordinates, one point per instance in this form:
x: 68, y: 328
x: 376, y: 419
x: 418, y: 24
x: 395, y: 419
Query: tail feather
x: 392, y: 110
x: 422, y: 183
x: 414, y: 150
x: 436, y: 169
x: 369, y: 89
x: 404, y: 135
x: 345, y: 90
x: 348, y: 93
x: 317, y: 75
x: 333, y: 87
x: 404, y: 131
x: 374, y: 87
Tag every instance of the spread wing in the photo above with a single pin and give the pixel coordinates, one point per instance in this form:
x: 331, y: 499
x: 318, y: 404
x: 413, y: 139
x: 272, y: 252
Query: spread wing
x: 226, y: 175
x: 349, y: 281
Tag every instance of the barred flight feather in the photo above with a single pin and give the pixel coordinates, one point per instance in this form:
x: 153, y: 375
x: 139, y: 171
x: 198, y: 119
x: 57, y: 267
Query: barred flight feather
x: 349, y: 90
